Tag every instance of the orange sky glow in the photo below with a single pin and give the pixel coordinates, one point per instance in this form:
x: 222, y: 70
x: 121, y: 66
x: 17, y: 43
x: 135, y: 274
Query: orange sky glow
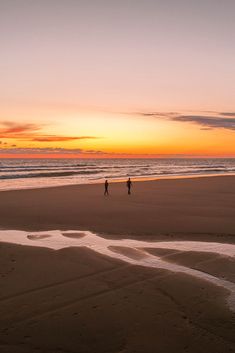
x: 117, y: 79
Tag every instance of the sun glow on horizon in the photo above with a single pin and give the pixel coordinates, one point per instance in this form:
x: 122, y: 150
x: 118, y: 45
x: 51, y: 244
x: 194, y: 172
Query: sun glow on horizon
x: 96, y: 134
x: 115, y: 80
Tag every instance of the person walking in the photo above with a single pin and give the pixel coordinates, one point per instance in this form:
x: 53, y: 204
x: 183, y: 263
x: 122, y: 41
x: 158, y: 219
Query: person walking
x: 129, y: 185
x: 106, y: 188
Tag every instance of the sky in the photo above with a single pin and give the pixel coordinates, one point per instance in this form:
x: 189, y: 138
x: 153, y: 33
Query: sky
x: 108, y: 78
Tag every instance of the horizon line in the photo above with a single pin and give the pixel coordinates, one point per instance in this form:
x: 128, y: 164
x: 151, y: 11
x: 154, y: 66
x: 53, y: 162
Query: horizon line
x: 116, y: 156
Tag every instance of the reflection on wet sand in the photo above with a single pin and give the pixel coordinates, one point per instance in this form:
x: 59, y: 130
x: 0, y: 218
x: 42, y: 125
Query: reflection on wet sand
x: 132, y: 251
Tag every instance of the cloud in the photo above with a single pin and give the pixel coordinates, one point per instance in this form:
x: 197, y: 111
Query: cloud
x: 209, y: 122
x: 32, y: 132
x: 61, y: 138
x: 49, y: 150
x: 206, y: 128
x: 97, y: 152
x: 158, y: 114
x: 228, y: 114
x: 224, y: 120
x: 11, y: 128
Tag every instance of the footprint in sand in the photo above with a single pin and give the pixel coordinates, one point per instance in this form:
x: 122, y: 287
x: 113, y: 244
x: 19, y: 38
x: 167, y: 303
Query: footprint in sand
x: 74, y: 235
x: 38, y: 236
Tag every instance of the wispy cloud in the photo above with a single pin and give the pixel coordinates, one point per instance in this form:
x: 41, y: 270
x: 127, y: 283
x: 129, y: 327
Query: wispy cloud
x: 228, y: 114
x: 210, y: 122
x: 14, y: 129
x: 33, y: 132
x: 50, y: 150
x: 156, y: 114
x: 225, y: 120
x: 52, y: 138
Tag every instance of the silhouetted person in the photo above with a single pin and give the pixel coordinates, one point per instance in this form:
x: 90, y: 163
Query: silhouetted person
x: 129, y: 184
x: 106, y: 187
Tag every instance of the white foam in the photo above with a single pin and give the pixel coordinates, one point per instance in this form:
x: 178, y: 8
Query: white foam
x: 56, y: 240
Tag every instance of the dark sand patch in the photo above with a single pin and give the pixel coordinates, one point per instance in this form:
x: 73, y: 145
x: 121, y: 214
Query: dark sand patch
x: 38, y: 236
x: 74, y: 235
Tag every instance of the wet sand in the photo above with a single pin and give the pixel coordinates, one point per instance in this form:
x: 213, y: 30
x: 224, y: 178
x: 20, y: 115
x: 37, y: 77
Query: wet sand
x: 155, y: 208
x: 78, y: 300
x: 75, y: 300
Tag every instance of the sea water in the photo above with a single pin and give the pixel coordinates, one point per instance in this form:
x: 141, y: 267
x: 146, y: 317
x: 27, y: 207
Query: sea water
x: 34, y: 173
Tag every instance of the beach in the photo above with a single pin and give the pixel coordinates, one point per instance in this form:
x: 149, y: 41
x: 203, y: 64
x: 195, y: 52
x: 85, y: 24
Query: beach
x: 76, y: 299
x: 199, y: 206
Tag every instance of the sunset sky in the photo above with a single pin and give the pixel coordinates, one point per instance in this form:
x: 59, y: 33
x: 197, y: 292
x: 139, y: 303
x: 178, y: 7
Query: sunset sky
x: 108, y: 78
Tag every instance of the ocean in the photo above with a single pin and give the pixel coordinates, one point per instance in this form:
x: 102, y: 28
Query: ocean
x: 36, y: 173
